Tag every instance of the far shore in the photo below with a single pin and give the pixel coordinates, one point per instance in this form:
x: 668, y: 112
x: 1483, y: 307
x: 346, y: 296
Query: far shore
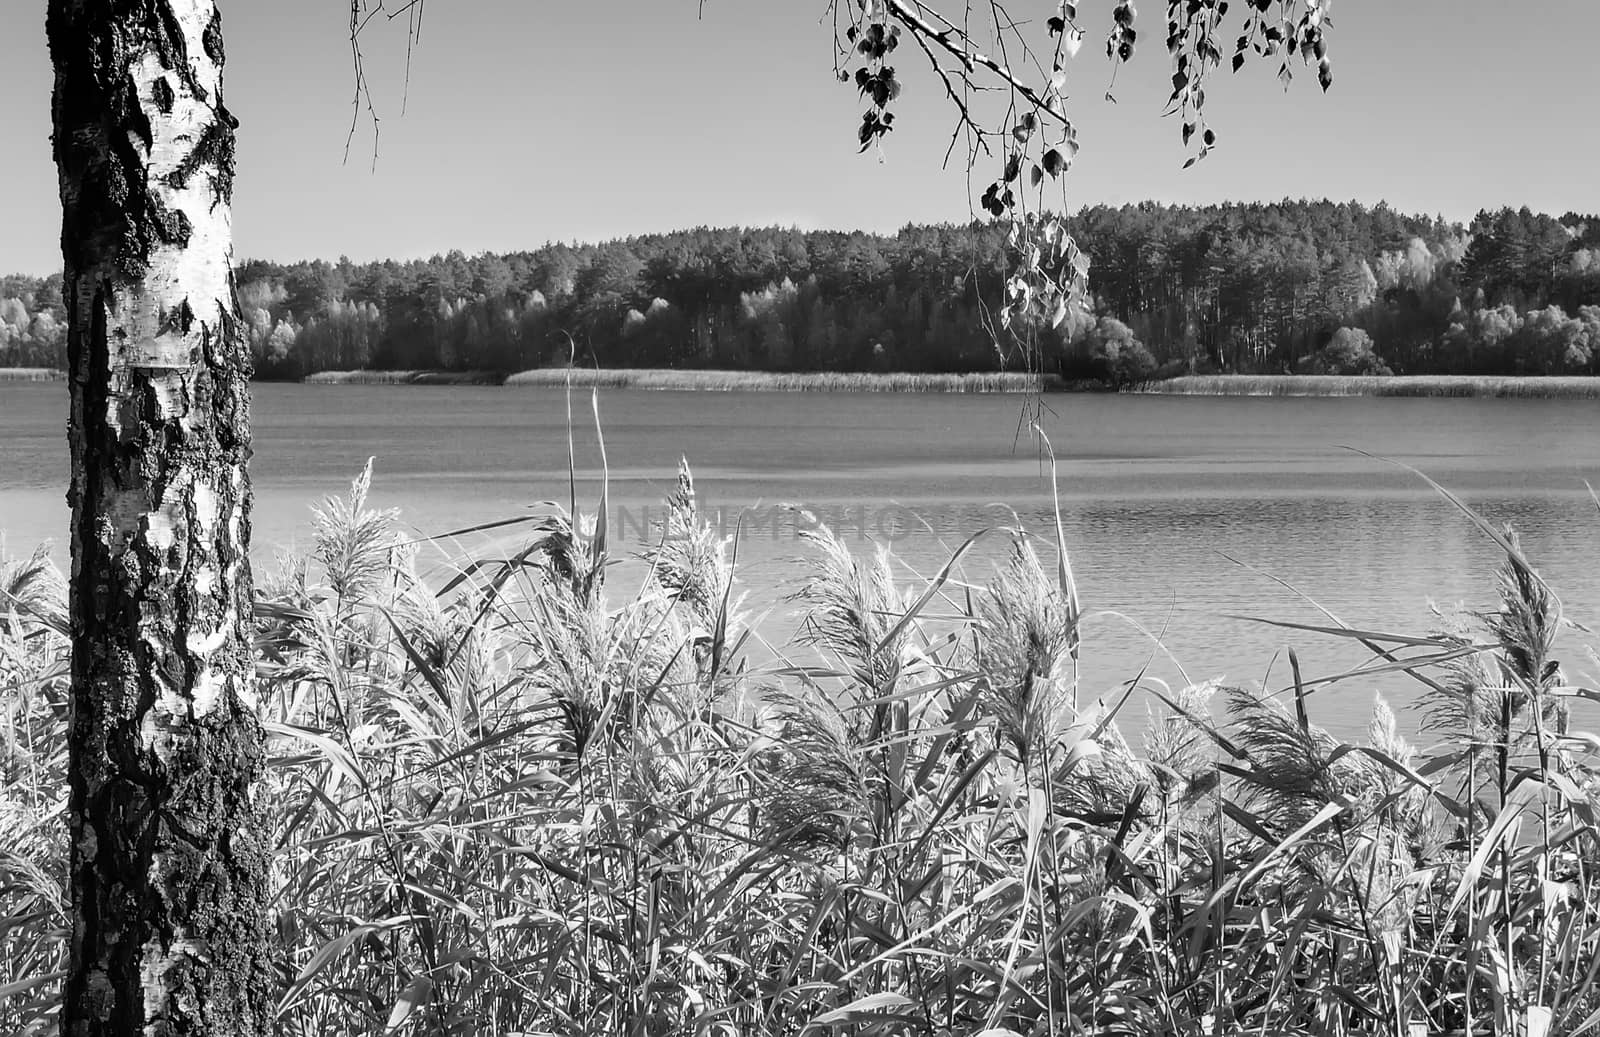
x: 709, y: 381
x: 1575, y: 387
x: 31, y: 374
x: 773, y: 381
x: 1545, y: 387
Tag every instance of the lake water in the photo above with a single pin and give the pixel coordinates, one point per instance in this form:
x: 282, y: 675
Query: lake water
x: 1157, y: 494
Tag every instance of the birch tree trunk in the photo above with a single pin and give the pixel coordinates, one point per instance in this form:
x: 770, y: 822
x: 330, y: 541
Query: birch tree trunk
x: 167, y: 867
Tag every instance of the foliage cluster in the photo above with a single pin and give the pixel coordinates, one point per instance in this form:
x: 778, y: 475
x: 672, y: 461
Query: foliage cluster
x: 33, y: 325
x: 503, y: 804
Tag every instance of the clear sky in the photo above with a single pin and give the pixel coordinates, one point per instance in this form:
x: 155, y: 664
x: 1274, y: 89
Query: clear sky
x: 537, y: 120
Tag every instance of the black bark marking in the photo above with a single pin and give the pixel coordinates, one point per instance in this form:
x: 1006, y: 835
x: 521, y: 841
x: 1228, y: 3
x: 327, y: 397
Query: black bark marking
x: 138, y: 120
x: 164, y: 98
x: 213, y: 152
x: 170, y: 226
x: 165, y: 32
x: 211, y: 39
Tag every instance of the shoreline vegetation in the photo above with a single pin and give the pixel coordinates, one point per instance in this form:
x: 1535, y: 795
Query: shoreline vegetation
x: 403, y: 378
x: 708, y: 380
x: 31, y: 374
x: 1543, y: 387
x: 1547, y: 387
x: 808, y: 381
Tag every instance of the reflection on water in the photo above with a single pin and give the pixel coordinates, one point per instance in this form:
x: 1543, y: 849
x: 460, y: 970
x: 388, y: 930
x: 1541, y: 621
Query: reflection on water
x: 1167, y: 502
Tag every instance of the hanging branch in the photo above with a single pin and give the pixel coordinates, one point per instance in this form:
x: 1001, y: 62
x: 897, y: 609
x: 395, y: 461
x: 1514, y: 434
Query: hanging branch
x: 1049, y: 276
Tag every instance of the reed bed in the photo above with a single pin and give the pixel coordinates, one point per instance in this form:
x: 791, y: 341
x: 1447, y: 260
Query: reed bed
x: 405, y: 378
x: 1552, y: 387
x: 31, y: 374
x: 507, y: 803
x: 769, y: 381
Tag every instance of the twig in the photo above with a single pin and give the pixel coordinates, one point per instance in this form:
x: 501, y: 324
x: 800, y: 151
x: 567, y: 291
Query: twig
x: 969, y: 57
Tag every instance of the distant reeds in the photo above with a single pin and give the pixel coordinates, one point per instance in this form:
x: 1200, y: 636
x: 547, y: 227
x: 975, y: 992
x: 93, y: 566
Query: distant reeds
x: 1575, y: 387
x: 405, y: 378
x: 769, y: 381
x: 31, y: 374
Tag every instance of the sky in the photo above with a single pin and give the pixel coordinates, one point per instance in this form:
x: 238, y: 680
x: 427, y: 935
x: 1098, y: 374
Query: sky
x: 529, y: 121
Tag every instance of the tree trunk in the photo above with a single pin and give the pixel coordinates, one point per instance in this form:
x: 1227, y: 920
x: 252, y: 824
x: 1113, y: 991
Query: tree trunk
x: 167, y: 867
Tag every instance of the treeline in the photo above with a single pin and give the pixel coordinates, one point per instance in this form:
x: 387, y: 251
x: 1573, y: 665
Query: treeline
x: 1260, y: 288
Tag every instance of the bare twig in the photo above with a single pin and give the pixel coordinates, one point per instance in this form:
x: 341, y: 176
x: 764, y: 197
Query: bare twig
x: 958, y: 43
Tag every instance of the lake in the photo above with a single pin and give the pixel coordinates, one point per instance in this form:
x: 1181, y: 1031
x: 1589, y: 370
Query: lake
x: 1162, y: 497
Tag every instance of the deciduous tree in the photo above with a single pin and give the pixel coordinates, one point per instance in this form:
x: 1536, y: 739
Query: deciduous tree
x: 167, y: 874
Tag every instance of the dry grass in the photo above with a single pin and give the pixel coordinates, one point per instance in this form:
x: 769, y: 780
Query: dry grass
x: 507, y: 803
x: 768, y: 381
x: 1543, y: 387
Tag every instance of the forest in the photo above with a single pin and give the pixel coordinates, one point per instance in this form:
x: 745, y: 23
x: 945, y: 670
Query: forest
x: 1290, y: 287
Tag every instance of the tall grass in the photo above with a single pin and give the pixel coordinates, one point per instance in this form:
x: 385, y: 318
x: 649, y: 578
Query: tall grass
x: 819, y: 381
x: 1555, y: 387
x: 507, y: 802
